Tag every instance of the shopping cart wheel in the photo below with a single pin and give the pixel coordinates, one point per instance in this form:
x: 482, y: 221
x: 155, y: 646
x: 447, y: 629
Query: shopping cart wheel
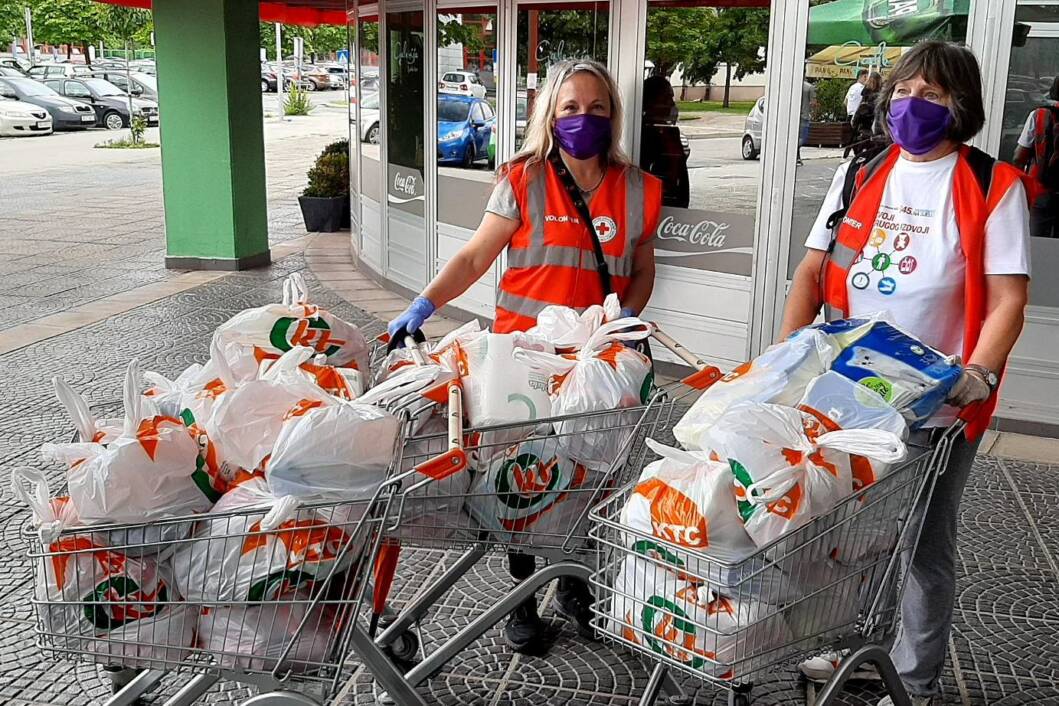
x: 740, y: 695
x: 405, y: 648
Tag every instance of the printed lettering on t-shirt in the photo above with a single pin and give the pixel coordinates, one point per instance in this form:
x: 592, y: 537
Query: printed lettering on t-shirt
x: 883, y: 260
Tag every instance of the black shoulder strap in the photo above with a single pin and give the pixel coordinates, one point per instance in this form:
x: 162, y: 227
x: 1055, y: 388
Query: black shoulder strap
x: 582, y: 210
x: 860, y: 163
x: 982, y: 166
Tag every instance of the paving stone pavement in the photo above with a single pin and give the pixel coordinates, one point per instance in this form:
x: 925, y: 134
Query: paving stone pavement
x: 1004, y: 650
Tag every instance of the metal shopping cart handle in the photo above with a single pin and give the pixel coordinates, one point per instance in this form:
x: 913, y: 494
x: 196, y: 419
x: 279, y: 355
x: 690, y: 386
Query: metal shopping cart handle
x: 704, y: 375
x: 408, y: 340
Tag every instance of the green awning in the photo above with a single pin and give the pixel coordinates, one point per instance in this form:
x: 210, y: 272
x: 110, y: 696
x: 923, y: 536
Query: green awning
x: 893, y: 22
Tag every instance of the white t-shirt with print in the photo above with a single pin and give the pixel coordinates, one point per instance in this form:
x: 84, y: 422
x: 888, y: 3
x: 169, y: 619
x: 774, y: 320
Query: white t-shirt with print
x: 912, y: 265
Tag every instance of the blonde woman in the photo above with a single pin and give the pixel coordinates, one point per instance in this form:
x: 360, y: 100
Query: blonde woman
x: 570, y: 174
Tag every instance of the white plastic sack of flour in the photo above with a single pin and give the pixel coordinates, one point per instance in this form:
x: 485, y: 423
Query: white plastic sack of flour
x: 779, y: 375
x: 145, y: 474
x: 683, y: 510
x: 605, y: 375
x: 336, y: 452
x: 272, y: 330
x: 254, y: 546
x: 254, y: 637
x: 692, y: 623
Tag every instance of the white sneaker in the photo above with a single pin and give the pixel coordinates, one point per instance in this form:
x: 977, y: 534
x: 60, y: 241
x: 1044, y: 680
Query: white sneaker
x: 916, y: 701
x: 823, y: 666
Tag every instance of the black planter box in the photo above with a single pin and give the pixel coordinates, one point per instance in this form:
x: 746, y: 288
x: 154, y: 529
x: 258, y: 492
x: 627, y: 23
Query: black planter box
x: 323, y: 214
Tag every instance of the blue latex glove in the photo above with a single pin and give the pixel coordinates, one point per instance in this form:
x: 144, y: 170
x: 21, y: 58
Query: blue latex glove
x: 626, y: 312
x: 413, y: 317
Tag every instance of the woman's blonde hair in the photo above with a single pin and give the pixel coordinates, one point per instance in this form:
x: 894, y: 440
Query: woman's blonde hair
x: 539, y: 141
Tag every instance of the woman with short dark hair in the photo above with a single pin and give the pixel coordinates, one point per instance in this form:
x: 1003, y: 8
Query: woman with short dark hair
x: 937, y: 234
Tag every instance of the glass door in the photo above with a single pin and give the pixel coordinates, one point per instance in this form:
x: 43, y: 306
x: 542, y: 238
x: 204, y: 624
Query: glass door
x: 404, y: 141
x: 466, y: 122
x: 369, y: 131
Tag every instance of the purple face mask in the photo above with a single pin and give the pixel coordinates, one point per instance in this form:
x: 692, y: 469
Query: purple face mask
x: 918, y: 125
x: 583, y: 136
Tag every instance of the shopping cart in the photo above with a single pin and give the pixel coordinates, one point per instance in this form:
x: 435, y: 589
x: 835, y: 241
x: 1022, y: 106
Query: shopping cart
x: 833, y: 584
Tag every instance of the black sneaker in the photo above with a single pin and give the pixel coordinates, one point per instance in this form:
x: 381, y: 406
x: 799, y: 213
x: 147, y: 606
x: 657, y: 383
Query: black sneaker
x: 525, y: 632
x: 573, y: 601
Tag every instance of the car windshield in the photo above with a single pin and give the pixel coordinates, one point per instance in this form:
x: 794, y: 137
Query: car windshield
x: 371, y: 102
x: 453, y: 111
x: 102, y: 87
x: 147, y: 80
x: 29, y: 87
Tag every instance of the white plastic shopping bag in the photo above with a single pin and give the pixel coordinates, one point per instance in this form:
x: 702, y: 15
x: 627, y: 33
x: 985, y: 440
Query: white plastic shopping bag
x: 272, y: 330
x: 779, y: 375
x: 414, y: 390
x: 252, y: 546
x: 788, y: 467
x: 147, y: 473
x: 498, y: 389
x: 245, y: 423
x: 255, y: 636
x: 532, y: 493
x: 569, y: 330
x: 692, y: 623
x: 441, y: 353
x: 89, y: 428
x: 335, y: 452
x: 684, y: 500
x: 605, y: 375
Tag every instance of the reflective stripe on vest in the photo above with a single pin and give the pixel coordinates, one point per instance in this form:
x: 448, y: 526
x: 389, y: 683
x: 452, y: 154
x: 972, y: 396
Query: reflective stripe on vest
x: 972, y: 212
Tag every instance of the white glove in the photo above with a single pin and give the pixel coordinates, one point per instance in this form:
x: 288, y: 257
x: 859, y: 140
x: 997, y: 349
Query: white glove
x: 970, y: 388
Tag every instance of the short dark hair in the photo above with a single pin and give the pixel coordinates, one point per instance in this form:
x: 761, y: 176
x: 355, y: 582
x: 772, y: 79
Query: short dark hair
x: 955, y: 70
x: 861, y: 74
x: 1053, y: 93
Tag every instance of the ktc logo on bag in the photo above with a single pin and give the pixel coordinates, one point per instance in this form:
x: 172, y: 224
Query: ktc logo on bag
x: 674, y: 516
x: 315, y: 333
x: 311, y: 547
x: 119, y: 600
x: 528, y: 485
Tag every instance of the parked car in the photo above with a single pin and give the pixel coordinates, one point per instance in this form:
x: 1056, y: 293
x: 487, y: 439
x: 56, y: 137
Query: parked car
x: 19, y: 119
x: 369, y: 83
x: 753, y: 130
x: 66, y: 113
x: 337, y: 73
x: 312, y: 78
x: 464, y: 83
x: 268, y: 78
x: 369, y: 119
x: 143, y: 85
x: 15, y: 64
x: 465, y: 126
x: 13, y: 73
x: 110, y: 103
x: 144, y: 66
x: 41, y: 72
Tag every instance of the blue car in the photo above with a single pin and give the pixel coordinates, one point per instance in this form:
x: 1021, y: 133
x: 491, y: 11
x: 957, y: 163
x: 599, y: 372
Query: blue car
x: 465, y: 124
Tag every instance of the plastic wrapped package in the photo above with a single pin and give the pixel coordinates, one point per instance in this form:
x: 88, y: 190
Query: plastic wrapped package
x: 272, y: 330
x: 911, y: 376
x: 498, y: 390
x: 779, y: 376
x: 336, y: 452
x: 605, y: 375
x: 788, y: 468
x: 252, y: 546
x: 569, y: 330
x: 692, y: 623
x: 442, y: 353
x: 254, y: 637
x: 690, y: 502
x: 245, y: 423
x: 531, y: 491
x: 147, y: 473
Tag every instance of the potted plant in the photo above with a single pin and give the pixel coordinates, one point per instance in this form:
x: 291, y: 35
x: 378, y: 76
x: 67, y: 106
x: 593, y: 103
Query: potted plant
x: 326, y: 199
x: 829, y: 126
x: 341, y: 147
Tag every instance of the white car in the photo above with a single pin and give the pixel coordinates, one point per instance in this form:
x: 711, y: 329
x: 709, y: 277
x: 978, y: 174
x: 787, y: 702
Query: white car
x: 19, y: 119
x: 369, y: 118
x: 753, y: 130
x: 464, y: 83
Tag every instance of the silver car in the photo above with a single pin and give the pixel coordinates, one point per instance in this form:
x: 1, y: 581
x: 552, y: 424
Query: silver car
x: 753, y: 130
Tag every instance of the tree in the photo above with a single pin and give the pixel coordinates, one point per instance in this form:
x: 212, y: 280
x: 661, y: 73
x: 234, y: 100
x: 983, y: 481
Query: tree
x: 677, y: 38
x: 325, y: 39
x: 12, y: 22
x: 453, y: 31
x: 69, y: 22
x: 738, y: 37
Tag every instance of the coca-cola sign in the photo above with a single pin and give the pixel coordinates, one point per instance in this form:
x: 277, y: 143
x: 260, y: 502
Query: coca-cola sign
x: 705, y: 240
x: 404, y: 184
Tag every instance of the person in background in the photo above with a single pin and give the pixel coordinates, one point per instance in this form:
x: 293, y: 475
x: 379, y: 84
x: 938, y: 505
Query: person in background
x: 661, y: 150
x: 573, y: 131
x: 950, y: 263
x: 808, y: 104
x: 864, y: 125
x: 855, y: 94
x: 1038, y: 154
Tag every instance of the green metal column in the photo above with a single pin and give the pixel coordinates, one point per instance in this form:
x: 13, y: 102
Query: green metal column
x: 213, y: 155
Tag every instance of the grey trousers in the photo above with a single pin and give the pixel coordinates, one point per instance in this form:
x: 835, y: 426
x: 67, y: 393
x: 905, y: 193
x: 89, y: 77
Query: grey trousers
x: 930, y: 581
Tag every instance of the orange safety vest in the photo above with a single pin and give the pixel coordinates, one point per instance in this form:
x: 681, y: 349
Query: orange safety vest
x: 550, y: 259
x: 979, y: 183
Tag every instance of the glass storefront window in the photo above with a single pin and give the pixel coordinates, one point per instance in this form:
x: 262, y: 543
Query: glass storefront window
x: 368, y: 126
x: 551, y: 33
x: 1030, y: 130
x: 846, y: 37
